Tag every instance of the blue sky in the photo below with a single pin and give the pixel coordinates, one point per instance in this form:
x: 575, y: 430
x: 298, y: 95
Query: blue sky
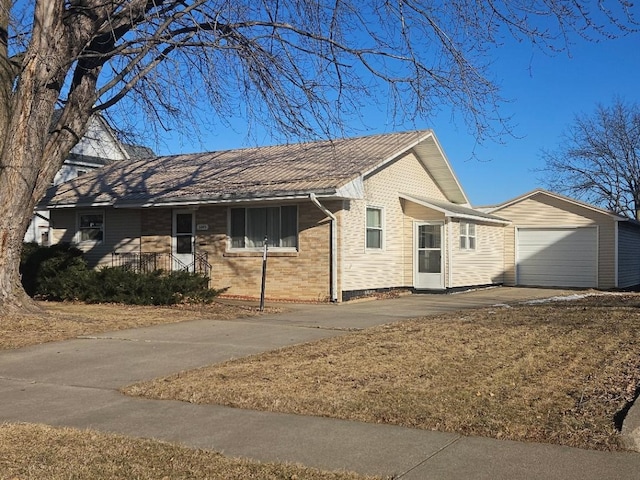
x: 545, y: 93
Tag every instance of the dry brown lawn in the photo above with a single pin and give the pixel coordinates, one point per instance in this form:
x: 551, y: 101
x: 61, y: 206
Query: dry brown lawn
x: 556, y: 372
x: 32, y: 452
x: 61, y: 321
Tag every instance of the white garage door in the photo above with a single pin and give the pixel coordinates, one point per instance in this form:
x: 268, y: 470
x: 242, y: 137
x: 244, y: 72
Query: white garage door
x: 557, y: 257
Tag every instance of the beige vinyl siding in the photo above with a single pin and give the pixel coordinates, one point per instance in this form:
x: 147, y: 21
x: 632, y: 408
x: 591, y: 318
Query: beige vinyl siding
x: 367, y: 269
x: 544, y: 211
x: 628, y: 255
x: 121, y: 233
x: 63, y: 224
x: 482, y: 266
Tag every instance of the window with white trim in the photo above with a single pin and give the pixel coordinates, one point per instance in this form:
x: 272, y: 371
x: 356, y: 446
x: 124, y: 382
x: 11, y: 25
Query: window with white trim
x: 374, y: 228
x: 90, y: 227
x: 467, y: 236
x: 250, y: 226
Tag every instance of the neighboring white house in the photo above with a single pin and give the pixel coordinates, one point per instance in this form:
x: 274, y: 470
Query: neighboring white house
x: 97, y: 148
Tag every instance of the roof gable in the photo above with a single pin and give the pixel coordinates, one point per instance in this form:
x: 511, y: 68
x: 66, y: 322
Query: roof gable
x: 557, y: 196
x: 331, y: 168
x: 100, y: 142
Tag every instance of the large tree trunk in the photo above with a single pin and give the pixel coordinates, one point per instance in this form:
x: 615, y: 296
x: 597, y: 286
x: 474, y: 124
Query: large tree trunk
x: 28, y: 159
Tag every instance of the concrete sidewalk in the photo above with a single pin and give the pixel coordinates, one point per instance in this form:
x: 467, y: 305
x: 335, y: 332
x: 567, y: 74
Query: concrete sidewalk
x: 74, y: 383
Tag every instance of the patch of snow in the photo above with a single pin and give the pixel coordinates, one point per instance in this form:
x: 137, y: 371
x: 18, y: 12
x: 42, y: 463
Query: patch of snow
x: 569, y: 298
x: 467, y: 290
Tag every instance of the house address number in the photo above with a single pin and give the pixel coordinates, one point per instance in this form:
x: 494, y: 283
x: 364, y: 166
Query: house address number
x: 202, y: 226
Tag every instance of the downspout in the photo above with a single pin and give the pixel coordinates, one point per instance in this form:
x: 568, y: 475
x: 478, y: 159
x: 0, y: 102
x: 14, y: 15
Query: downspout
x: 449, y: 252
x: 334, y: 237
x: 616, y: 254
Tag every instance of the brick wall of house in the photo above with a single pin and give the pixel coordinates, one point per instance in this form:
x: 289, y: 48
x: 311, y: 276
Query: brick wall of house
x: 155, y: 226
x: 301, y: 275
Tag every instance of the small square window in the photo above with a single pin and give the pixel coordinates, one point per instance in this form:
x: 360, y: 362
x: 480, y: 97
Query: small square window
x: 467, y: 236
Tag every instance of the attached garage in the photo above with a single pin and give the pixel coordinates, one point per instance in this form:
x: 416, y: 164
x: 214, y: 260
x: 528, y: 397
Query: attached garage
x: 557, y: 257
x: 556, y: 241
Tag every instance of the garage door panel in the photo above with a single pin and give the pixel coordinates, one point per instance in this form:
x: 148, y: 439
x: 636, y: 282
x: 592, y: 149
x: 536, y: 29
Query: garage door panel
x: 566, y: 263
x: 557, y: 257
x: 560, y: 277
x: 557, y: 270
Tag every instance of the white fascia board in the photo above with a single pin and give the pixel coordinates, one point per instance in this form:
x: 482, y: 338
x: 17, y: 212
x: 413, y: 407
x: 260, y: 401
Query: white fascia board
x: 77, y: 205
x: 427, y: 134
x: 80, y: 163
x: 451, y: 172
x: 450, y: 214
x: 476, y: 218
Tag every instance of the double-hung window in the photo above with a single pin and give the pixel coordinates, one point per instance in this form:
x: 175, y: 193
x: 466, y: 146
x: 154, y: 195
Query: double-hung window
x: 374, y: 228
x: 250, y: 226
x: 467, y: 236
x: 90, y: 227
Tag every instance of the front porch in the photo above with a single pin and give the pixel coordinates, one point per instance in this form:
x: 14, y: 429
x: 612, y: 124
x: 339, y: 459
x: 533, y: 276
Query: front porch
x: 142, y: 262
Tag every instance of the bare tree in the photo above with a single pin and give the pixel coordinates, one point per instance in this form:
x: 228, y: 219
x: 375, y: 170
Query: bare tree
x: 295, y: 65
x: 599, y: 159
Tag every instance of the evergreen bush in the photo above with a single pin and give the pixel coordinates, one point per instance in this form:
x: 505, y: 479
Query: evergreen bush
x: 58, y: 270
x: 60, y: 273
x: 121, y: 285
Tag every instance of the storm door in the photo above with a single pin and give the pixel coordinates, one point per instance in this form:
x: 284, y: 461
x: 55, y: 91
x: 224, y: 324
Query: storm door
x: 183, y: 240
x: 428, y: 259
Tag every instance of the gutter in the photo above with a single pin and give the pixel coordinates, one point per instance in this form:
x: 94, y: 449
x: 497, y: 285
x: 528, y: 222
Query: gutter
x: 190, y: 202
x: 334, y: 246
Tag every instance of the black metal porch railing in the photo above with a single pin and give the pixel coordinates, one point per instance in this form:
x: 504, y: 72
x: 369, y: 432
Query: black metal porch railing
x: 150, y: 262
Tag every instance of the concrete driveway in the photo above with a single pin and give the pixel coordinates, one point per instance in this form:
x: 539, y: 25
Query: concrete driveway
x: 74, y: 383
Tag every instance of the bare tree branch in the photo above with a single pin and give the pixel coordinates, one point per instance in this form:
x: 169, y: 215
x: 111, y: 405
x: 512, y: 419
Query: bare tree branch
x: 599, y: 159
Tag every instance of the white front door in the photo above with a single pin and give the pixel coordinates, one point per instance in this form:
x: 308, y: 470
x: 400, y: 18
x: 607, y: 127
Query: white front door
x: 183, y: 240
x: 428, y: 261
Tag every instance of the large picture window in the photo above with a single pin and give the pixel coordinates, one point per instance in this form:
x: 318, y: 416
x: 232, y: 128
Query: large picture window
x: 250, y: 226
x: 467, y: 236
x: 374, y: 228
x: 91, y: 227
